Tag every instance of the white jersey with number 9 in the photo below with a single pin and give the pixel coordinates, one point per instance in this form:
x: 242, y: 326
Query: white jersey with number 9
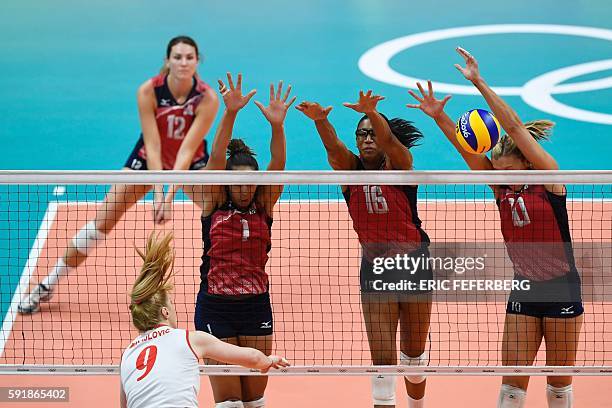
x: 160, y: 369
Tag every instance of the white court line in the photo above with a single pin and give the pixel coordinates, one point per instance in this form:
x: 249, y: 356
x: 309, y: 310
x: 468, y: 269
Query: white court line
x: 26, y: 274
x: 59, y: 190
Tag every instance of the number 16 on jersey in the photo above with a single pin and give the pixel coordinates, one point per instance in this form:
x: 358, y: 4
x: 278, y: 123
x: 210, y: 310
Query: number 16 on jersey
x: 375, y: 201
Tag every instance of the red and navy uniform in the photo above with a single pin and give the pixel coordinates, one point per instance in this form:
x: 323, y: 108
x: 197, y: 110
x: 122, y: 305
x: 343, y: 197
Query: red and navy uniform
x: 536, y: 231
x: 233, y: 298
x: 173, y: 122
x: 386, y: 220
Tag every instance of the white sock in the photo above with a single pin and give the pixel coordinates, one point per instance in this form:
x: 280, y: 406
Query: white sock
x: 561, y: 397
x: 414, y: 403
x: 511, y: 397
x: 60, y: 269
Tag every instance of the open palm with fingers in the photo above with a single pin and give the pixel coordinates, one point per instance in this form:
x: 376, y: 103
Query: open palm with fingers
x: 427, y: 101
x: 313, y: 110
x: 471, y: 71
x: 366, y: 104
x: 232, y: 95
x: 276, y: 111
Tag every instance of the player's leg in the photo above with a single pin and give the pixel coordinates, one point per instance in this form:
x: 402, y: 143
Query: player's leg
x: 214, y: 315
x: 414, y: 329
x: 381, y: 315
x: 255, y: 324
x: 561, y: 336
x: 195, y: 192
x: 520, y: 343
x: 227, y: 390
x: 254, y: 387
x: 118, y: 200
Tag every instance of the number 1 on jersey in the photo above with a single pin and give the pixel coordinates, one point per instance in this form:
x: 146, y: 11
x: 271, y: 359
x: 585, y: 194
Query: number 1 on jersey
x: 146, y: 361
x: 246, y: 233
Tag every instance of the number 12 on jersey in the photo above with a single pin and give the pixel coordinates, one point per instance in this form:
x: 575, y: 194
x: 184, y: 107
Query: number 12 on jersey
x: 375, y: 201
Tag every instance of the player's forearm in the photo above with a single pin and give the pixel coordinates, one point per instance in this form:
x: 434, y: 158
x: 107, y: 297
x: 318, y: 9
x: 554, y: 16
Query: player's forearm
x: 447, y: 126
x: 381, y: 129
x: 333, y: 145
x: 278, y: 148
x: 474, y: 161
x: 506, y: 116
x: 222, y: 138
x: 257, y: 360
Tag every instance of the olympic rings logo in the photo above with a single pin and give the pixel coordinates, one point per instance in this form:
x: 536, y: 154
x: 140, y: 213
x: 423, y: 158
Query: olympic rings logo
x: 537, y: 92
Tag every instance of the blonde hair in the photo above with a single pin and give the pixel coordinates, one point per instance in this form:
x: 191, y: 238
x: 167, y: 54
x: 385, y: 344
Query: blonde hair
x: 150, y: 291
x: 539, y: 130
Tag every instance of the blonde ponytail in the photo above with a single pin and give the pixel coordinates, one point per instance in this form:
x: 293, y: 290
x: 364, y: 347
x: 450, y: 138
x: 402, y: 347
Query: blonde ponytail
x: 539, y: 130
x: 150, y: 291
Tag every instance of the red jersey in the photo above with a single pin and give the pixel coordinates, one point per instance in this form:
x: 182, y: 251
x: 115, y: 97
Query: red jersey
x: 536, y: 231
x: 236, y: 246
x: 174, y: 120
x: 385, y: 219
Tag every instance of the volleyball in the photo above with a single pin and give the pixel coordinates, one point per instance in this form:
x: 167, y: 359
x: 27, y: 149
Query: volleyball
x: 477, y: 131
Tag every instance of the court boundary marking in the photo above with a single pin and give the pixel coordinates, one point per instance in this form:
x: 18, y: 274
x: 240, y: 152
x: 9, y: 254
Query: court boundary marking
x: 27, y: 271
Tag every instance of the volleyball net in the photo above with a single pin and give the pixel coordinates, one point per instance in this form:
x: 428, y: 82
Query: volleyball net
x: 317, y: 292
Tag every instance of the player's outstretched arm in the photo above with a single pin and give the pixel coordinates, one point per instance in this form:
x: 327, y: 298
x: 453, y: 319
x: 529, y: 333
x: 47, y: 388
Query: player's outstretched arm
x: 400, y: 156
x: 275, y: 113
x: 338, y: 155
x: 234, y: 101
x: 508, y: 118
x: 434, y: 108
x: 208, y: 346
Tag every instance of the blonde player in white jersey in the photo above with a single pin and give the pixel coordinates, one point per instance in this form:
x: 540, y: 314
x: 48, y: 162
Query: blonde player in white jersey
x: 160, y: 367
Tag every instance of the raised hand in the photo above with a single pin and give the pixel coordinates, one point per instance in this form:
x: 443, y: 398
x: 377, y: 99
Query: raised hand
x: 366, y: 104
x: 313, y: 110
x: 276, y: 111
x: 470, y: 72
x: 427, y: 101
x: 232, y: 96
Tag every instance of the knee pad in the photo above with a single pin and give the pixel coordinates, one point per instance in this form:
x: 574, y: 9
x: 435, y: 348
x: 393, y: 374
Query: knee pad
x: 383, y: 390
x: 420, y: 361
x: 229, y: 404
x: 87, y: 238
x: 258, y: 403
x: 559, y: 397
x: 511, y: 397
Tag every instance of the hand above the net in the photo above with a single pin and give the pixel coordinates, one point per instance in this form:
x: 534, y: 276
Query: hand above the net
x: 276, y: 111
x: 427, y: 101
x: 275, y: 362
x: 471, y: 71
x: 232, y: 96
x: 313, y: 110
x: 366, y: 104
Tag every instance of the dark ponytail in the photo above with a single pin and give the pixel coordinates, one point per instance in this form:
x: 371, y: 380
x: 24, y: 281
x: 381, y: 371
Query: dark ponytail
x: 239, y: 154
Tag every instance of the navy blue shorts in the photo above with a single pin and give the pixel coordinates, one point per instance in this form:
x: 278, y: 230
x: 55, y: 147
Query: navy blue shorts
x: 559, y: 310
x: 225, y: 317
x: 135, y: 162
x: 556, y: 298
x: 395, y: 281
